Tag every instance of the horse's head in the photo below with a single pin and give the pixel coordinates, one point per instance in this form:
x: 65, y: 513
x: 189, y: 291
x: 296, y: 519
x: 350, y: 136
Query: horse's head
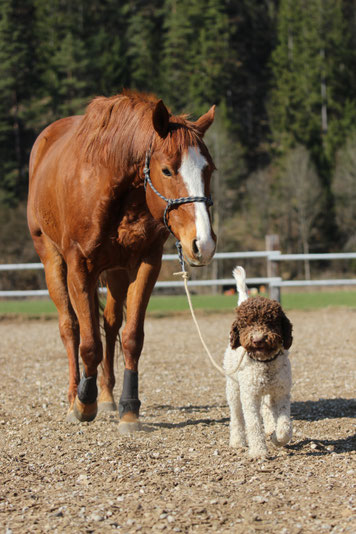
x: 180, y: 169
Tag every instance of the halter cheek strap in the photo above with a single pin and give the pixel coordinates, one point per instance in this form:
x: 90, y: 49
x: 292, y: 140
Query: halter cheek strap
x: 171, y: 203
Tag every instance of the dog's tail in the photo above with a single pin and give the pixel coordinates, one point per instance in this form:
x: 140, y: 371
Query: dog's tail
x: 240, y: 277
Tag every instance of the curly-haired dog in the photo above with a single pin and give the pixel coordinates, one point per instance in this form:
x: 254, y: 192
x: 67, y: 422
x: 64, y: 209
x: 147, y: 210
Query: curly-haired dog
x: 258, y: 388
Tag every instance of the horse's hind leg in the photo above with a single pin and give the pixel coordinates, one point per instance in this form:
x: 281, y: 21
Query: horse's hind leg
x: 117, y: 283
x: 82, y: 287
x: 56, y: 274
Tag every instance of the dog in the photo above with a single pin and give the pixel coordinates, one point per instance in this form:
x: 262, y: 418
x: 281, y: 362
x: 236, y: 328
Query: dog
x: 258, y: 381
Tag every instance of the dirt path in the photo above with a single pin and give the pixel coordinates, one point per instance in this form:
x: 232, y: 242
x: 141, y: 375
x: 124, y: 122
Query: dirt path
x: 180, y: 475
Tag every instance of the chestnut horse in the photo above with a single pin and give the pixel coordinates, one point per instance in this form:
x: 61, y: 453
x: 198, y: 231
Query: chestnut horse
x: 89, y: 211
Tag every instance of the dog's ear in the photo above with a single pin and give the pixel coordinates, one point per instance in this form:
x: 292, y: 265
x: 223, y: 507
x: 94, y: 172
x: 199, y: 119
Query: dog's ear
x: 234, y: 336
x: 286, y: 331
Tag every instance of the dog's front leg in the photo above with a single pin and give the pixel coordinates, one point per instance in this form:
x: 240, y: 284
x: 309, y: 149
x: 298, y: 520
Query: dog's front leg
x: 237, y: 423
x: 281, y: 410
x: 269, y: 422
x: 251, y: 403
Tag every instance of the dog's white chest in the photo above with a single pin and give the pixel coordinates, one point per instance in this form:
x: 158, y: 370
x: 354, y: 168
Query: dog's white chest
x: 261, y: 376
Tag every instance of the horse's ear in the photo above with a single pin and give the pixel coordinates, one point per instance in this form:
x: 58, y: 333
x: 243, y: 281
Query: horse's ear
x: 160, y: 118
x: 206, y: 120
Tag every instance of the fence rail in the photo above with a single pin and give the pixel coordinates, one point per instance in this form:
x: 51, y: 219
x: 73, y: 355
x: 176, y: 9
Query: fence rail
x: 275, y: 283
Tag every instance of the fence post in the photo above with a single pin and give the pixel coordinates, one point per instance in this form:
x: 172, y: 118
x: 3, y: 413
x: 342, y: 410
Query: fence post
x: 272, y: 243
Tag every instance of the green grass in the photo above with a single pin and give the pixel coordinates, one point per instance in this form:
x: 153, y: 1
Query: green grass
x: 30, y: 307
x: 318, y: 299
x: 210, y: 303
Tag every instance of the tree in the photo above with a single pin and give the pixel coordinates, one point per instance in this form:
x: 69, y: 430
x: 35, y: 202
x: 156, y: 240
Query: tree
x: 311, y: 97
x: 210, y: 55
x: 252, y: 37
x: 66, y: 60
x: 104, y: 31
x: 18, y: 71
x: 344, y: 189
x: 311, y: 101
x: 302, y: 199
x: 176, y: 68
x: 143, y: 44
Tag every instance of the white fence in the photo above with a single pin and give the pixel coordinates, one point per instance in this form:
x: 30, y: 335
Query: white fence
x: 274, y: 283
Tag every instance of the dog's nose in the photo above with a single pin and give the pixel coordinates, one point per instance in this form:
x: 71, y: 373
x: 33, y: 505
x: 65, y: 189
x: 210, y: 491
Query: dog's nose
x: 258, y: 337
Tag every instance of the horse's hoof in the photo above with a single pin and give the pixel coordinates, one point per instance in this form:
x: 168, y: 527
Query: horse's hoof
x: 129, y: 428
x: 71, y: 418
x: 84, y: 412
x: 106, y: 402
x: 107, y: 406
x: 129, y: 423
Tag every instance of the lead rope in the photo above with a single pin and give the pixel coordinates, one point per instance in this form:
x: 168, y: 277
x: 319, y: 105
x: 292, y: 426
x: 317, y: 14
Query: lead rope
x: 184, y: 274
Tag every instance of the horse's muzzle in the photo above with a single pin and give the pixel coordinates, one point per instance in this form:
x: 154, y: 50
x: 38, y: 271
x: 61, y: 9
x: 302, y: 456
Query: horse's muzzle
x: 200, y: 252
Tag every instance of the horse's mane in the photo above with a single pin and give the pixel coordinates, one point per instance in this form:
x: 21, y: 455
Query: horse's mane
x: 117, y: 131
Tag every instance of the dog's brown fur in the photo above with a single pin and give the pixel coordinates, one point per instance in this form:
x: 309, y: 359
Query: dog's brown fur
x: 261, y: 327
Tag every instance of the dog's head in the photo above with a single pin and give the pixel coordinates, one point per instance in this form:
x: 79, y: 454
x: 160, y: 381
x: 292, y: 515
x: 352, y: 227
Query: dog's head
x: 261, y: 327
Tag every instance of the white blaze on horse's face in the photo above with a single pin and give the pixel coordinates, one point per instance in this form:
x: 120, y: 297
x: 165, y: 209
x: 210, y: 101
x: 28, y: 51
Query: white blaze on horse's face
x: 191, y: 170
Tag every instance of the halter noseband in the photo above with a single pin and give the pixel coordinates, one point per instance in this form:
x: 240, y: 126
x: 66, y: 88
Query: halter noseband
x: 171, y: 202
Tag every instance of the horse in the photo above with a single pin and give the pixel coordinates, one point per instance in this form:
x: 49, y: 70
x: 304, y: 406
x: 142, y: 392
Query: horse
x: 105, y: 191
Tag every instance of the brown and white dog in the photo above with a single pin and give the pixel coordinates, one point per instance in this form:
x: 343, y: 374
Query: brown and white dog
x: 259, y: 382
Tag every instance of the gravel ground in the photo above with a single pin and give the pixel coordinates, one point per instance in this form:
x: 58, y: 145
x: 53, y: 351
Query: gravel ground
x: 179, y: 475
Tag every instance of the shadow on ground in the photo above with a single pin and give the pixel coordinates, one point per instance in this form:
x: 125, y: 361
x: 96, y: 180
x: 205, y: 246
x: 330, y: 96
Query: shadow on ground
x: 322, y: 447
x: 323, y: 409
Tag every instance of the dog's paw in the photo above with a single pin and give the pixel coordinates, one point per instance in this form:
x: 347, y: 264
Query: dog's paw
x: 282, y: 435
x: 269, y: 428
x: 258, y: 453
x: 237, y: 443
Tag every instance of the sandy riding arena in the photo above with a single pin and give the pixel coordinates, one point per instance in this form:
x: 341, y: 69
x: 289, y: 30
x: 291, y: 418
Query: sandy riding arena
x: 180, y: 474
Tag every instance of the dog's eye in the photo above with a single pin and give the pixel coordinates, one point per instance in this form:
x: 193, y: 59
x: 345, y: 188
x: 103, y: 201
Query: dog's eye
x: 166, y: 172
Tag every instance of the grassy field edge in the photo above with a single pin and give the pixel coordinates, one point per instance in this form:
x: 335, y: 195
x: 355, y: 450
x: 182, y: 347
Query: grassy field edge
x: 166, y: 305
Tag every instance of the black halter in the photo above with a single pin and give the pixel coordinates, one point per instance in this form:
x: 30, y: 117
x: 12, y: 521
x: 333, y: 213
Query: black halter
x: 171, y: 202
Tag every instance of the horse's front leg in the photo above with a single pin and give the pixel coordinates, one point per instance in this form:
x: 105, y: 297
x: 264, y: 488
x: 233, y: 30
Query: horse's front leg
x: 82, y: 287
x: 117, y: 285
x: 138, y: 295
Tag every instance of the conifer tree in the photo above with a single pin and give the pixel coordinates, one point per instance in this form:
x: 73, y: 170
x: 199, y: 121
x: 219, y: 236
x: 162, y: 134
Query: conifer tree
x: 176, y: 63
x: 196, y: 54
x: 65, y: 77
x: 210, y: 55
x: 105, y: 26
x: 17, y: 82
x: 311, y: 98
x: 143, y: 45
x: 344, y: 190
x: 311, y: 101
x: 251, y: 41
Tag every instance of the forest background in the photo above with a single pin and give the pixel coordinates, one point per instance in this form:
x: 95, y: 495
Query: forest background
x: 283, y: 76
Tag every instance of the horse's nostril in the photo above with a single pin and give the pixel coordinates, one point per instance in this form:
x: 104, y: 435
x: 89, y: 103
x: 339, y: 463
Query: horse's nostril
x: 195, y: 248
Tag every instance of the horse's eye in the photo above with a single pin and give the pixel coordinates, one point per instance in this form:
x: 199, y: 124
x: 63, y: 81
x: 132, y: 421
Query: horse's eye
x: 166, y: 172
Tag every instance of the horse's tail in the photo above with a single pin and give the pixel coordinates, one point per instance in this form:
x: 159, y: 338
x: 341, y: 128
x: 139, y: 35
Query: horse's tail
x: 99, y: 299
x: 240, y: 277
